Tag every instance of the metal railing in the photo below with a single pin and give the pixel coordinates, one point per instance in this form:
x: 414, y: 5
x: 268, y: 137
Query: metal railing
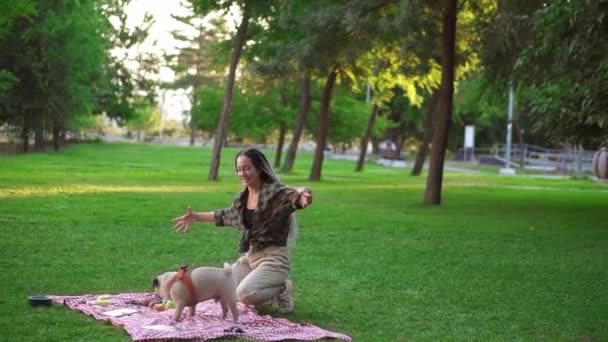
x: 532, y: 157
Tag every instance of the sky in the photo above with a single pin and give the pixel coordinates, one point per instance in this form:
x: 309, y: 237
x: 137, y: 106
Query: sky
x: 174, y: 103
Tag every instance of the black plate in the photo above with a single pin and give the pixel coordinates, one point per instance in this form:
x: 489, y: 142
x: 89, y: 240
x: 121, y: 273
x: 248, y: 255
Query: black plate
x: 39, y: 301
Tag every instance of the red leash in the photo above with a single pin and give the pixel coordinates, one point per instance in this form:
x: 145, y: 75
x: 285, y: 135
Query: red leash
x: 184, y: 275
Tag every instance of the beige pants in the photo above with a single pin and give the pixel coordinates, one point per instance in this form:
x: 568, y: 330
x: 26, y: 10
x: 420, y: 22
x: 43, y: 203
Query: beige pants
x: 260, y: 275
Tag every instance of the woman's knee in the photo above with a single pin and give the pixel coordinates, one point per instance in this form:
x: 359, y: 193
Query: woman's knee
x: 254, y: 294
x: 247, y: 295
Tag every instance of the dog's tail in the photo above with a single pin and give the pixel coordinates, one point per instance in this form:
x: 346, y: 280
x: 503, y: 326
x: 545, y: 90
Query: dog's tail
x: 227, y: 268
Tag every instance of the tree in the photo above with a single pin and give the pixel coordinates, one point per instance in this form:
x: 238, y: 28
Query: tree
x: 333, y: 45
x: 249, y: 9
x: 56, y: 58
x: 434, y: 181
x: 11, y: 11
x: 565, y: 72
x: 194, y: 64
x: 146, y: 120
x: 427, y: 134
x: 397, y: 78
x: 349, y: 112
x: 61, y: 61
x: 273, y: 54
x: 555, y: 55
x: 303, y: 109
x: 256, y: 115
x: 424, y: 24
x: 125, y: 87
x: 315, y: 172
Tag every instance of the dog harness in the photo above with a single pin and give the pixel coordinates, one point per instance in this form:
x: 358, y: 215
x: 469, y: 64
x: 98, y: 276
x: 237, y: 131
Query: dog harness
x: 184, y: 275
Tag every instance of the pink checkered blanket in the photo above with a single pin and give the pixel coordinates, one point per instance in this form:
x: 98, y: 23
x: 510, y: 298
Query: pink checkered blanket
x: 147, y: 324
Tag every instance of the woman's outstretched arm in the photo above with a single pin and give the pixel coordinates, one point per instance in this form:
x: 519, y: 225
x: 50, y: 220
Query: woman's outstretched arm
x: 182, y: 223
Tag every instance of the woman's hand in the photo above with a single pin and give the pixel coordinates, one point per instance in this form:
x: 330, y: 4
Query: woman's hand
x: 182, y: 223
x: 305, y: 197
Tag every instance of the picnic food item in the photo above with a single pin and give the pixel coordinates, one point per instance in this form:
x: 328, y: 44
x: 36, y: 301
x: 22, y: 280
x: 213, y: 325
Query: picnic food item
x: 103, y: 302
x: 168, y: 304
x: 153, y: 302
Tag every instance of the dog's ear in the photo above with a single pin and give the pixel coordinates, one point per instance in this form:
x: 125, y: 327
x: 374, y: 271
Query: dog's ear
x: 155, y: 283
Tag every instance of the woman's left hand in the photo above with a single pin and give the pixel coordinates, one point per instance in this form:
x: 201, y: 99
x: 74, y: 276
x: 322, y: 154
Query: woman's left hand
x: 305, y: 197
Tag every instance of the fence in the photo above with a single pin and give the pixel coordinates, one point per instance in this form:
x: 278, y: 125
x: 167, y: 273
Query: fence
x: 532, y: 157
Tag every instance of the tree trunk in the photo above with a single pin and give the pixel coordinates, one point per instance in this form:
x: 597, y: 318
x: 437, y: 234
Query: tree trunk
x: 39, y: 137
x: 393, y: 132
x: 317, y: 164
x: 282, y: 130
x: 426, y: 135
x: 522, y: 152
x: 224, y: 116
x: 375, y: 145
x: 440, y: 138
x: 365, y: 140
x: 24, y: 136
x: 195, y: 85
x: 56, y: 137
x: 192, y: 130
x: 283, y: 98
x: 300, y: 121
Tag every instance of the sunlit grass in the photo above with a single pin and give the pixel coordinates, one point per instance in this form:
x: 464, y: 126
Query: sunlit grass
x: 98, y: 189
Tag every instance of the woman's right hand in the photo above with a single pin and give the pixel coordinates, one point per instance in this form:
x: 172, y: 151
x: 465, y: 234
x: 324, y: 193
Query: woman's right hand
x: 182, y: 223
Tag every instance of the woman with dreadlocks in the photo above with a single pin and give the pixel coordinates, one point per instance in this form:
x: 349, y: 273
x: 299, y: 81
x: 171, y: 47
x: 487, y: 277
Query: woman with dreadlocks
x: 264, y: 212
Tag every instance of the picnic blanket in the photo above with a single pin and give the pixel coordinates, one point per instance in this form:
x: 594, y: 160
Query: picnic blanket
x: 146, y: 324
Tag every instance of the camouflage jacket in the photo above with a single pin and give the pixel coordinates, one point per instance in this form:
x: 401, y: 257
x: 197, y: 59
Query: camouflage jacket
x: 270, y: 219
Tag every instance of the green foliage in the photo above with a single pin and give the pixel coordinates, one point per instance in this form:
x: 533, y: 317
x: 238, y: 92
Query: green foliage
x: 83, y: 123
x: 10, y: 11
x: 60, y: 62
x: 206, y: 111
x: 146, y: 118
x: 198, y: 61
x: 477, y: 102
x: 257, y: 116
x: 7, y: 79
x: 567, y: 71
x: 348, y: 118
x: 122, y: 88
x: 254, y: 116
x: 556, y: 54
x: 56, y: 59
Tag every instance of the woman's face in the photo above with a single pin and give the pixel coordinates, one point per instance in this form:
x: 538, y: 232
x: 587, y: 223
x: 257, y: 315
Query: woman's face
x: 249, y: 175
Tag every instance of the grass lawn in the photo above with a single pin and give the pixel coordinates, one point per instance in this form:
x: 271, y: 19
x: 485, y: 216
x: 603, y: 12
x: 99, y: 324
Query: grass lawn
x: 501, y: 259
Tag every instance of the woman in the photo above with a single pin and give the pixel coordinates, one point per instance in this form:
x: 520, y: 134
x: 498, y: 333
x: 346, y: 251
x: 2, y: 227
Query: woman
x: 264, y: 212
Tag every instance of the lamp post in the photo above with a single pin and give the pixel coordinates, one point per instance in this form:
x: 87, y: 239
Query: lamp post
x: 507, y: 170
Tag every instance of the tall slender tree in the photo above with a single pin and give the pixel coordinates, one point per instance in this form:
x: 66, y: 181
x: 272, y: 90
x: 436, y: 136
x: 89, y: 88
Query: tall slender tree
x: 427, y: 134
x: 432, y: 193
x: 315, y: 172
x: 303, y: 109
x: 126, y: 87
x: 193, y: 64
x: 250, y: 10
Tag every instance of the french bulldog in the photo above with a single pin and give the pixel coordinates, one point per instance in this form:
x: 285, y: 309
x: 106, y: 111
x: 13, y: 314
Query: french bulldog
x: 199, y: 285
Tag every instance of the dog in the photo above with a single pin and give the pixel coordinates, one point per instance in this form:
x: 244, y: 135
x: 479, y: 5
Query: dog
x: 188, y: 288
